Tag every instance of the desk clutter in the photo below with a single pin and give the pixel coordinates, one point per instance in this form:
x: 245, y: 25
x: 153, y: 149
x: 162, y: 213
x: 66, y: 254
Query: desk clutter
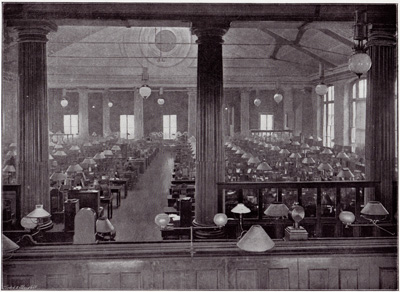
x: 95, y: 174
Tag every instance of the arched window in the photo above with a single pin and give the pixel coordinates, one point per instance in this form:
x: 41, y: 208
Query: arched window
x: 357, y: 114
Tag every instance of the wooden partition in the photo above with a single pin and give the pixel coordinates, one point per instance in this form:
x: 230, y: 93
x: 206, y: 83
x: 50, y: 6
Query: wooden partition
x: 365, y: 263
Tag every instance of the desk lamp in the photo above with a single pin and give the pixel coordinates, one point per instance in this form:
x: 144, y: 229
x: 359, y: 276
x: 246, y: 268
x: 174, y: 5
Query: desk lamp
x: 7, y: 245
x: 256, y: 240
x: 296, y: 232
x: 345, y: 174
x: 105, y: 231
x: 10, y: 170
x: 37, y: 220
x: 277, y: 210
x: 240, y: 209
x: 373, y: 211
x: 58, y: 177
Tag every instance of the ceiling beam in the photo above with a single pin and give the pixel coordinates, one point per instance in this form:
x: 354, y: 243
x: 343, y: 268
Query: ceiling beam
x: 283, y: 41
x: 337, y: 37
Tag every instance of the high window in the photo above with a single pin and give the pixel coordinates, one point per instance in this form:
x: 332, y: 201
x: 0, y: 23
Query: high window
x: 169, y: 126
x: 266, y: 122
x: 357, y: 113
x: 127, y: 126
x: 71, y: 125
x: 329, y: 117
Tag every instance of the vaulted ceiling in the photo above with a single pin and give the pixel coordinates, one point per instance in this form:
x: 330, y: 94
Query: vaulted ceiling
x: 109, y: 47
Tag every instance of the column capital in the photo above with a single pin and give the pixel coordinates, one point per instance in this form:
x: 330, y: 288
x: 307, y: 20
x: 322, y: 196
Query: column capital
x: 210, y: 31
x: 382, y: 35
x: 245, y: 90
x: 192, y: 91
x: 82, y: 90
x: 32, y: 30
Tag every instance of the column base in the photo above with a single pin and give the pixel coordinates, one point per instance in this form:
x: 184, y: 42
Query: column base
x: 292, y: 233
x: 208, y: 232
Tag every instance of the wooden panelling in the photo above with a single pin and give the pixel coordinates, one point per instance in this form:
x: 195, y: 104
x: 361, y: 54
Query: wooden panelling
x: 348, y: 279
x: 387, y: 278
x: 247, y: 279
x: 207, y: 280
x: 278, y: 279
x: 100, y: 281
x: 59, y: 281
x: 318, y: 279
x: 18, y: 281
x: 131, y: 281
x: 174, y: 280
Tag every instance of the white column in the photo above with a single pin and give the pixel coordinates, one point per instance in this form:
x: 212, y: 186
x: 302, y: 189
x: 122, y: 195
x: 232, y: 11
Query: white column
x: 244, y: 112
x: 138, y: 112
x: 192, y: 96
x: 83, y: 116
x: 106, y: 113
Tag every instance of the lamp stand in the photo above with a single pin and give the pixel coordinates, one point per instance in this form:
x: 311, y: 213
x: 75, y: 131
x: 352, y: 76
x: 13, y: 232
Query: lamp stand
x: 295, y: 232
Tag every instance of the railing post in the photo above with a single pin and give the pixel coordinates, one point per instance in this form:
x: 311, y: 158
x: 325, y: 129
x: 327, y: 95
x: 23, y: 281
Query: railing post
x: 338, y: 226
x: 318, y: 211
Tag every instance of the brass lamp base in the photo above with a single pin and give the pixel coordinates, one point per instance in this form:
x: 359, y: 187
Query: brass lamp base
x: 292, y: 233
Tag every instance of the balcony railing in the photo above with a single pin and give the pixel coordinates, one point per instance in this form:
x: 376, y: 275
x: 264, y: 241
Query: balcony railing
x: 323, y: 201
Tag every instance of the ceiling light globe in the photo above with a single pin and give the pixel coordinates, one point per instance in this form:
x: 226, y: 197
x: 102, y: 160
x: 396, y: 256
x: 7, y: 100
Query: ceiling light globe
x: 257, y: 102
x: 360, y: 63
x: 161, y: 101
x: 64, y: 102
x: 321, y: 89
x: 110, y: 104
x: 145, y: 91
x: 278, y: 97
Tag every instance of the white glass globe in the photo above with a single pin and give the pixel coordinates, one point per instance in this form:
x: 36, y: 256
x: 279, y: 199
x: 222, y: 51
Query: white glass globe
x: 278, y: 97
x: 257, y: 102
x: 64, y: 102
x: 145, y: 91
x: 160, y: 101
x: 321, y: 89
x: 110, y: 104
x: 360, y: 63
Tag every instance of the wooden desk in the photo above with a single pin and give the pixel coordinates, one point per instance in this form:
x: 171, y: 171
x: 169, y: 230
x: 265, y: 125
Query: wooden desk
x: 87, y: 198
x: 121, y: 181
x: 116, y: 190
x: 108, y: 201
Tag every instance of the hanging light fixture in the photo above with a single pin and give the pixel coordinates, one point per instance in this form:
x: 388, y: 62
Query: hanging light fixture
x: 360, y: 62
x: 278, y: 96
x: 110, y: 104
x: 321, y: 89
x: 257, y: 101
x: 145, y: 90
x: 64, y: 101
x: 161, y: 100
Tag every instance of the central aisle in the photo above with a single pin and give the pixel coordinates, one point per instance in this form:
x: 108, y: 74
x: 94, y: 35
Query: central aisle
x: 134, y: 219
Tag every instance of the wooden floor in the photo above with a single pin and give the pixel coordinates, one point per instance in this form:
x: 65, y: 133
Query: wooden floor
x: 134, y: 219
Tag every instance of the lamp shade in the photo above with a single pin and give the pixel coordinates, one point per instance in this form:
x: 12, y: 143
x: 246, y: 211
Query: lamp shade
x: 87, y: 144
x: 99, y: 156
x: 38, y: 212
x: 345, y: 173
x: 74, y: 148
x: 58, y: 176
x: 88, y: 161
x: 240, y: 209
x: 162, y: 220
x: 296, y: 143
x: 145, y: 91
x: 253, y: 160
x: 220, y: 219
x: 275, y: 148
x: 264, y: 166
x: 304, y: 146
x: 246, y: 155
x: 295, y: 155
x: 324, y: 166
x: 314, y: 148
x: 108, y: 153
x: 9, y: 168
x: 74, y: 168
x: 347, y: 217
x: 327, y: 151
x: 58, y: 146
x: 374, y: 208
x: 278, y: 97
x: 321, y: 89
x: 308, y: 161
x: 342, y: 155
x: 60, y: 153
x: 359, y: 63
x: 103, y: 225
x: 256, y: 240
x: 7, y: 245
x: 257, y: 102
x: 116, y: 148
x: 277, y: 209
x: 284, y: 151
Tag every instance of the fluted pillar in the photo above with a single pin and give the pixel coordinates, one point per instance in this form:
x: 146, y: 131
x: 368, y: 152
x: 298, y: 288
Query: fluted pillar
x: 106, y: 113
x: 33, y: 174
x: 380, y: 122
x: 209, y: 138
x: 138, y: 115
x: 83, y: 115
x: 245, y: 112
x: 192, y: 96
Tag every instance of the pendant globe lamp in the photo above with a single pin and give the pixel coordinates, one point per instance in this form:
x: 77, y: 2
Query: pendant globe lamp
x: 145, y: 90
x: 321, y: 89
x: 360, y: 62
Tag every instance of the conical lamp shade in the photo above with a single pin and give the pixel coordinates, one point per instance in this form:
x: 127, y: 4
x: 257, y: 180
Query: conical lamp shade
x: 256, y: 239
x: 277, y: 210
x: 240, y: 209
x: 103, y: 225
x: 264, y: 166
x: 39, y: 212
x: 7, y: 245
x: 374, y: 208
